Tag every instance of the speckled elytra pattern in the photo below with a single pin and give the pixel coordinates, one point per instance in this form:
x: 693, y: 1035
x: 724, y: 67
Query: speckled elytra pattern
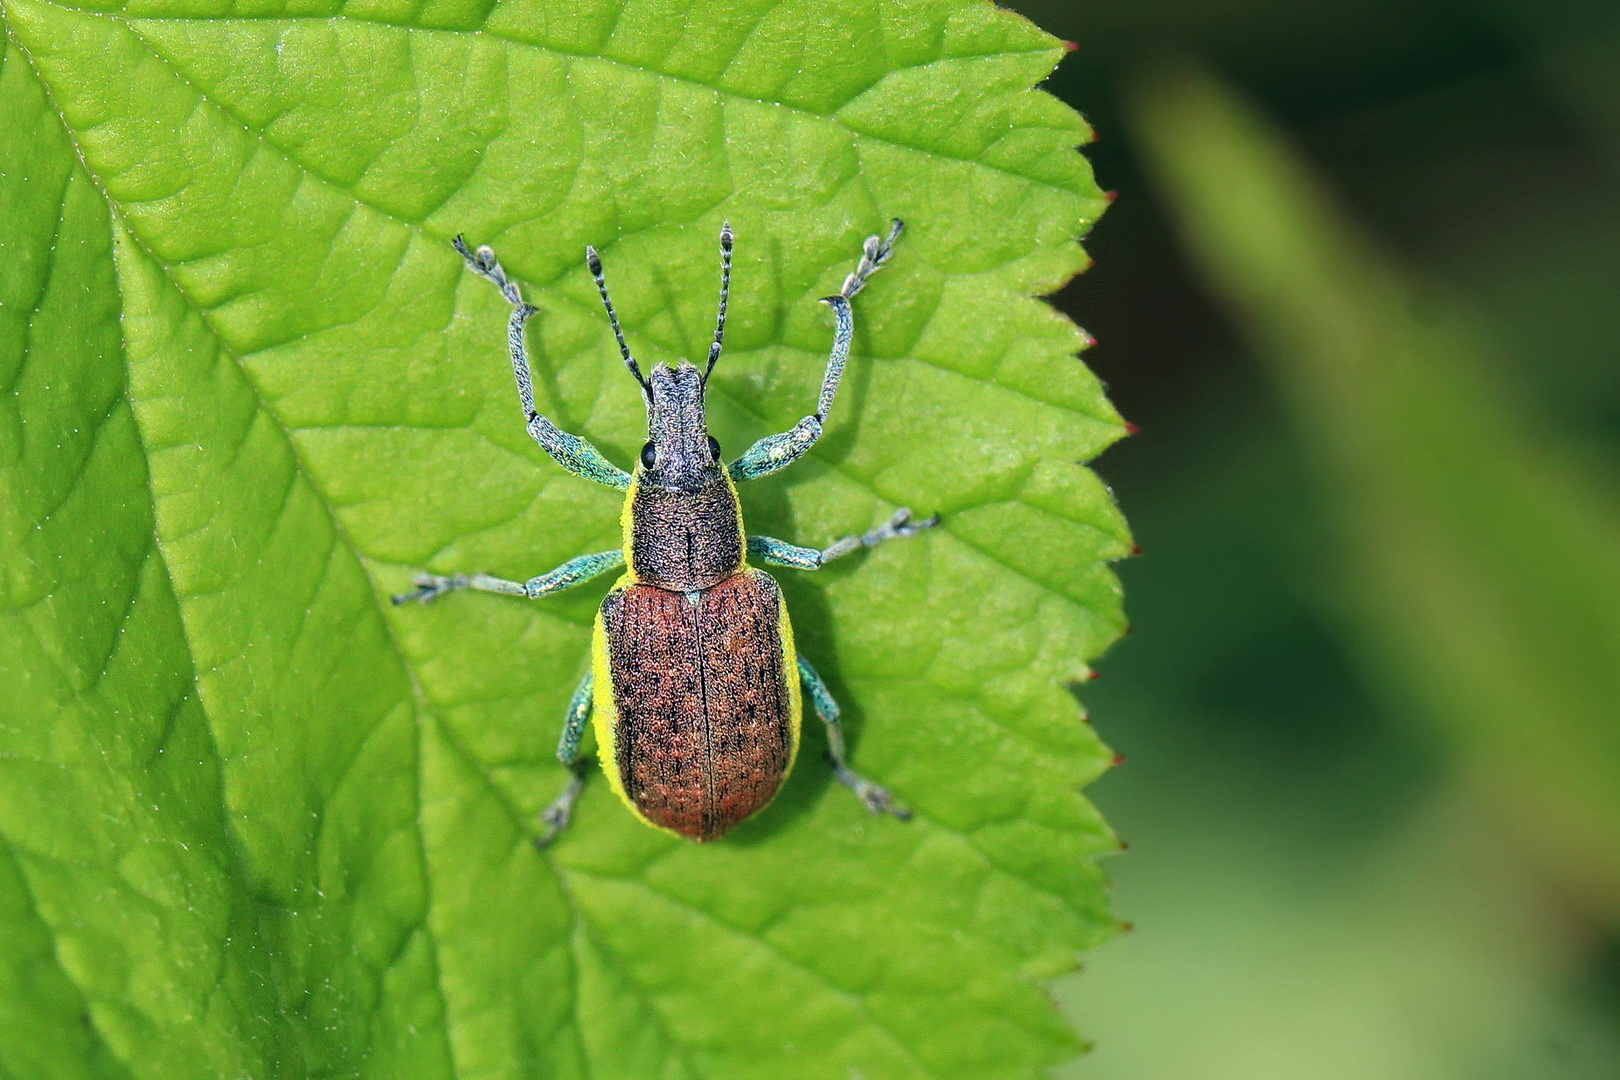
x: 706, y: 725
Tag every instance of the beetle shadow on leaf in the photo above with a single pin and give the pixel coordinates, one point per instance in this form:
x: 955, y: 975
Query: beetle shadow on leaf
x: 812, y: 774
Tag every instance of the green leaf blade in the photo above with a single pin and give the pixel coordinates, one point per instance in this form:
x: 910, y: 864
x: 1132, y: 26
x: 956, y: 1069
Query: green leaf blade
x: 284, y: 632
x: 317, y: 398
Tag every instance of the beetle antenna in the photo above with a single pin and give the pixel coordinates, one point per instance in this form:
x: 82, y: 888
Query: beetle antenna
x: 725, y: 290
x: 594, y: 261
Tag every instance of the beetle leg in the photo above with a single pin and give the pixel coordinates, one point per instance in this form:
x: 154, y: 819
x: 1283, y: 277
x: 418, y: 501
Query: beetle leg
x: 777, y: 451
x: 877, y: 799
x: 556, y: 816
x: 569, y: 574
x: 573, y: 453
x: 782, y: 553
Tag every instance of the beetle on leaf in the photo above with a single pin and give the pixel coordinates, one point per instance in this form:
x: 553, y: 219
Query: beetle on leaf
x: 694, y: 681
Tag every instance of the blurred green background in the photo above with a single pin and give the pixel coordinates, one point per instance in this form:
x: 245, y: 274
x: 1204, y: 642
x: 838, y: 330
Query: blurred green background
x: 1361, y: 292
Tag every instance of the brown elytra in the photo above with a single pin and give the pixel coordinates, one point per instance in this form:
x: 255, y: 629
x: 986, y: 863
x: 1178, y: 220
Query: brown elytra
x: 706, y: 726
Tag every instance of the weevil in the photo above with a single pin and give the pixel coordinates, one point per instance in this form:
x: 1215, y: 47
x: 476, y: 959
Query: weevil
x: 694, y: 685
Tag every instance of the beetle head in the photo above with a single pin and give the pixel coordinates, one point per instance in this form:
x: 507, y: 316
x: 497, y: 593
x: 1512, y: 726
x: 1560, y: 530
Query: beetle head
x: 680, y: 455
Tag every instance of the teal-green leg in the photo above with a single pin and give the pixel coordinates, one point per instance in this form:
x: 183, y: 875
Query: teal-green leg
x: 573, y: 453
x: 555, y: 817
x: 782, y: 553
x: 877, y: 799
x: 778, y: 451
x: 569, y: 574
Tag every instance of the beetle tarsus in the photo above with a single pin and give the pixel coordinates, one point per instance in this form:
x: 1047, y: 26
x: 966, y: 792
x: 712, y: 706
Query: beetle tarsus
x: 556, y: 817
x: 879, y: 800
x: 430, y: 587
x: 898, y: 525
x: 482, y: 262
x: 874, y: 253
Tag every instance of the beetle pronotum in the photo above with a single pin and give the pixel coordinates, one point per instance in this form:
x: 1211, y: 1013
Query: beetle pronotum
x: 694, y: 680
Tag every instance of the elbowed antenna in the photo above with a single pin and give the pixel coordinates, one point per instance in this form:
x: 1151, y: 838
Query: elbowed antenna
x: 725, y: 289
x: 594, y: 261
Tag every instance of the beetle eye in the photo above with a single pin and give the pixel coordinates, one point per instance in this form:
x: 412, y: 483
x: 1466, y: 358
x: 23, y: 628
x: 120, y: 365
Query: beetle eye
x: 647, y: 454
x: 714, y: 449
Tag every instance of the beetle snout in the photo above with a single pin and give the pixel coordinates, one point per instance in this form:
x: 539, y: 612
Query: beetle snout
x: 679, y: 455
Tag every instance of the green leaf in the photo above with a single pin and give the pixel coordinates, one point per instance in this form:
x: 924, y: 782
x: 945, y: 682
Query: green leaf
x: 1482, y: 552
x: 254, y: 821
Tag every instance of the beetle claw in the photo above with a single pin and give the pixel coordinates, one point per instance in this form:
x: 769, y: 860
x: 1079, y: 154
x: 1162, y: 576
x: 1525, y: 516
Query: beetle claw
x: 880, y: 801
x: 899, y: 524
x: 902, y: 525
x: 429, y: 587
x: 556, y: 817
x: 554, y: 824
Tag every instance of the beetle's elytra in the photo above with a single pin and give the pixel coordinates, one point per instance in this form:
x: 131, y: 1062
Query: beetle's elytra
x: 694, y: 682
x: 703, y: 720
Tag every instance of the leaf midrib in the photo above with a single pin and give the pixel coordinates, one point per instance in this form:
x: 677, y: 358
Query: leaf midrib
x: 154, y: 547
x: 300, y: 469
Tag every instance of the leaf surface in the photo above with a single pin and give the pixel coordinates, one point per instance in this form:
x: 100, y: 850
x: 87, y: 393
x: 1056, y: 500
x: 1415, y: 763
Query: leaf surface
x: 256, y: 822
